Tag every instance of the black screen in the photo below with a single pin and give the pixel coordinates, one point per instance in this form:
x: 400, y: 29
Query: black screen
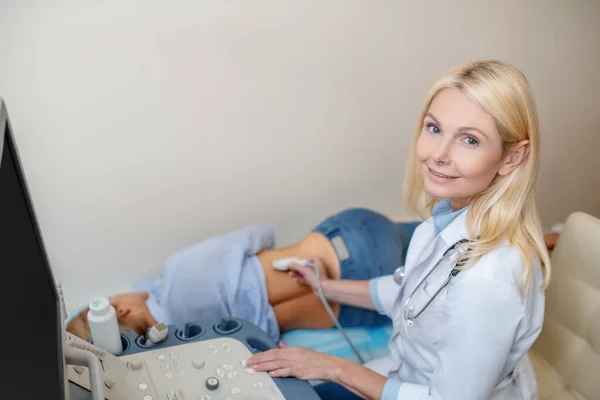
x: 31, y: 338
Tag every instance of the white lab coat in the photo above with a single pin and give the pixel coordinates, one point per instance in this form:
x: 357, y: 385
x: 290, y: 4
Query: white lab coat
x: 472, y: 340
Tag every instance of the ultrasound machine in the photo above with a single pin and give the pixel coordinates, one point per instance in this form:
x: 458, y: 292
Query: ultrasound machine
x: 201, y: 360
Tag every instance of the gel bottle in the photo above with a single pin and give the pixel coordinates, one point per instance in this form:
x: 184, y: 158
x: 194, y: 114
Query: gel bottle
x: 104, y: 327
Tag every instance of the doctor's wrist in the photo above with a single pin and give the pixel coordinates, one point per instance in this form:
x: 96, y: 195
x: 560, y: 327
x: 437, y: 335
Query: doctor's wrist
x: 336, y: 369
x: 326, y: 287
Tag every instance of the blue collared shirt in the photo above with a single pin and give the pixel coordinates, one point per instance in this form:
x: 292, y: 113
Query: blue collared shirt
x: 218, y: 277
x: 442, y: 215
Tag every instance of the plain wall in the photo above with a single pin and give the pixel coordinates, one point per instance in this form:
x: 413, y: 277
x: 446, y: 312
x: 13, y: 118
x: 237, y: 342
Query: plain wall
x: 145, y: 126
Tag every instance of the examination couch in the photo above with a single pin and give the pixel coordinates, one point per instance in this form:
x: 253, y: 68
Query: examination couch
x: 566, y: 356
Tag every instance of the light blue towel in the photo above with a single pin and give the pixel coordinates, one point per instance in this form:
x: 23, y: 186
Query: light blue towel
x: 371, y: 342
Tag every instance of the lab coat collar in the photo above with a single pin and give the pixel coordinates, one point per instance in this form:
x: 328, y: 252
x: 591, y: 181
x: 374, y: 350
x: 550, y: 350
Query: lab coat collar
x: 455, y: 231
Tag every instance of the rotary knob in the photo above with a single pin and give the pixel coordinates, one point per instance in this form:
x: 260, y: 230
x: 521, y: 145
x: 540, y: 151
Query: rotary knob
x: 212, y: 383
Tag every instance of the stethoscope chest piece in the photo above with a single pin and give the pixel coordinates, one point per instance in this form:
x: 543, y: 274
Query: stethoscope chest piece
x: 399, y: 275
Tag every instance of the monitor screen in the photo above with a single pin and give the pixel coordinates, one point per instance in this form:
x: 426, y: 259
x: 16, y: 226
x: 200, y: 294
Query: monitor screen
x: 32, y: 339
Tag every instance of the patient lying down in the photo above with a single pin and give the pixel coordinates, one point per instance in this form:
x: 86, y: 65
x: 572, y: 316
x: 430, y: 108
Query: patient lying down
x: 232, y: 275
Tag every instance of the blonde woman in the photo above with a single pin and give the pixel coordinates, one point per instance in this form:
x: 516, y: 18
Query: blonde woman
x: 470, y: 301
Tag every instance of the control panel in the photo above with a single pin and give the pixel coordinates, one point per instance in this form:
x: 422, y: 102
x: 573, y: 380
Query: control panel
x: 206, y: 370
x: 201, y: 361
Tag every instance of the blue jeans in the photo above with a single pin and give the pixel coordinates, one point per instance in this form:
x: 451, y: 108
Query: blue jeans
x: 368, y: 245
x: 333, y: 391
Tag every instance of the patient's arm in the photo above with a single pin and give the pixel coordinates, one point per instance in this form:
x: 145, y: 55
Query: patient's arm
x: 253, y: 238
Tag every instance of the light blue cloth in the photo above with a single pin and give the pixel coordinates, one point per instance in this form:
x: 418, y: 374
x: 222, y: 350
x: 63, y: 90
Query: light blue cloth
x: 370, y: 341
x: 391, y: 389
x: 442, y: 215
x: 218, y: 277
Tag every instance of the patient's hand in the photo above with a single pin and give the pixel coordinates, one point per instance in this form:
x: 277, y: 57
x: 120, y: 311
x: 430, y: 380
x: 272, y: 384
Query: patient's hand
x: 307, y: 275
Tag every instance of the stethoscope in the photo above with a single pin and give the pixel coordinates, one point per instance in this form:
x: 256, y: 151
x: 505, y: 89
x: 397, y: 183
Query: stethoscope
x: 399, y: 274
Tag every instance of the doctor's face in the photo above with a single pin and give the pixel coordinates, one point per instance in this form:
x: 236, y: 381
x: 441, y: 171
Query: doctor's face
x: 459, y: 148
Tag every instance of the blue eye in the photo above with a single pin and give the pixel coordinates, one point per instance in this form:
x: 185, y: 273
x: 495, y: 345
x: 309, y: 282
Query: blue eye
x: 471, y: 141
x: 433, y: 129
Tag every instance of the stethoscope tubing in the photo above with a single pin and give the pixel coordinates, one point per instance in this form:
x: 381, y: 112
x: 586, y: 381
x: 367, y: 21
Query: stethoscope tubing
x: 407, y: 304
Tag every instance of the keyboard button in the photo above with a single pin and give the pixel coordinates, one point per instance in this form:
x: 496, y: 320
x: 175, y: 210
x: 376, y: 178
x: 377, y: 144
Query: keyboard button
x: 109, y: 383
x: 212, y: 383
x: 172, y: 396
x: 134, y: 365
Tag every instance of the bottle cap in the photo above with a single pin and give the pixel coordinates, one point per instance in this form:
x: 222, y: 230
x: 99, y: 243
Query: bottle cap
x: 99, y: 306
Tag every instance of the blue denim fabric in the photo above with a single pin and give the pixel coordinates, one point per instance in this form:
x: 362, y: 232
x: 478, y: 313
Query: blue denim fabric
x: 333, y: 391
x: 376, y: 247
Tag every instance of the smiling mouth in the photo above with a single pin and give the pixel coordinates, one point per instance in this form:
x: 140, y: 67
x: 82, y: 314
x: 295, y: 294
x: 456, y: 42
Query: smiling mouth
x: 442, y: 175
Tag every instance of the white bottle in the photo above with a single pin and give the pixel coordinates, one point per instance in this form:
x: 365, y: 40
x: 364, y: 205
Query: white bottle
x: 104, y: 326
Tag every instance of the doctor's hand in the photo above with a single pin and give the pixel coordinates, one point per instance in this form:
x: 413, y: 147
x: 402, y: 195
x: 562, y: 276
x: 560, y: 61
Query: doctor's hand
x: 307, y: 275
x: 298, y: 362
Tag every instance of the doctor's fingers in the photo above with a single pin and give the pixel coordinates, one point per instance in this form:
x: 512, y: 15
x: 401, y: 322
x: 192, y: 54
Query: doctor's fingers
x: 307, y: 274
x: 265, y: 356
x: 279, y: 355
x: 283, y: 367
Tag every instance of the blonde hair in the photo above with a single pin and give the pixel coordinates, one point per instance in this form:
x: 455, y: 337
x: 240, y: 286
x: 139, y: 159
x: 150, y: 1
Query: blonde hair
x: 507, y: 208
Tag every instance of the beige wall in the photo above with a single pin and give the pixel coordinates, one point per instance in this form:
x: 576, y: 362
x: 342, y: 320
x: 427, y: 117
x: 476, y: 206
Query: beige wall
x: 145, y: 126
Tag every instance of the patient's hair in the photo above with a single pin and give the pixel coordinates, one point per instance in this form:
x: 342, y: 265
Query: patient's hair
x: 79, y: 326
x: 507, y: 208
